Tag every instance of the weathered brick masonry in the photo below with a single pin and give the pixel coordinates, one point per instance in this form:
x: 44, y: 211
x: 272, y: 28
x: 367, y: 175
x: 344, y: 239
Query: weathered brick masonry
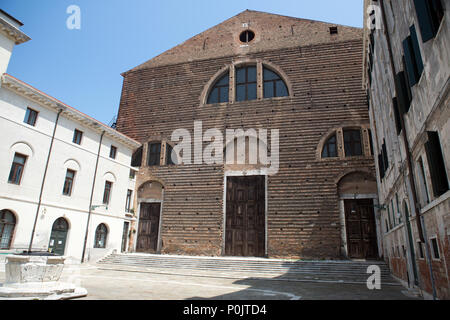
x: 324, y: 72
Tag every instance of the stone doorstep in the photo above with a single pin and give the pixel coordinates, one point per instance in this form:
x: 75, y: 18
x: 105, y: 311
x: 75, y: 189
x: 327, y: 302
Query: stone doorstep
x: 41, y: 291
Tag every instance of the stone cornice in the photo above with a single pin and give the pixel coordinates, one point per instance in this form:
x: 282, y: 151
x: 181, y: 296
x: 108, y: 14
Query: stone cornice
x: 20, y: 87
x: 13, y: 32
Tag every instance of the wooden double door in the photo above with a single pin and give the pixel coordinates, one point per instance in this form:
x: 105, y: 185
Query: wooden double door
x: 148, y: 233
x: 245, y: 216
x: 361, y: 230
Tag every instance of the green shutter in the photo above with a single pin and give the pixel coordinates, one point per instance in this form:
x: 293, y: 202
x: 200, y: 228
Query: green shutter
x: 425, y: 19
x: 416, y: 50
x: 402, y: 93
x: 398, y: 123
x: 436, y: 164
x: 409, y: 61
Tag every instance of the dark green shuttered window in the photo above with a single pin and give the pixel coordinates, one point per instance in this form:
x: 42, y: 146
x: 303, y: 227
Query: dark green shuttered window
x: 429, y: 15
x: 436, y: 164
x: 413, y: 58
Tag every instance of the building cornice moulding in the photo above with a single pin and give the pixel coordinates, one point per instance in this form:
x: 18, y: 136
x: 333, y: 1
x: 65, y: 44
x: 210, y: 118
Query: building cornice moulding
x: 12, y: 32
x: 20, y: 87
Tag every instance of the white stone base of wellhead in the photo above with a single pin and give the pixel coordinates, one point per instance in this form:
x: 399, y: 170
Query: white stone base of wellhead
x: 41, y: 291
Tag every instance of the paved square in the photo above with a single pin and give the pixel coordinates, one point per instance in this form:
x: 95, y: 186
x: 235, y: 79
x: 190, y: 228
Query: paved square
x: 106, y: 284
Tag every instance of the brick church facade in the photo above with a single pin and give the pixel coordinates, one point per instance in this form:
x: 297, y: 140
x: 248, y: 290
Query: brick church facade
x: 256, y: 71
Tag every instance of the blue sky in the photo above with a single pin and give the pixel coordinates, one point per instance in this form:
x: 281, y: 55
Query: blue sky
x: 82, y: 67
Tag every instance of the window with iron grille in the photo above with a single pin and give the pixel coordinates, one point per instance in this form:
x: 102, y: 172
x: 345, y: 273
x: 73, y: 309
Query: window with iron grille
x: 107, y: 192
x: 15, y: 175
x: 352, y: 142
x: 68, y: 183
x: 101, y: 234
x: 154, y: 154
x: 246, y: 83
x: 31, y: 117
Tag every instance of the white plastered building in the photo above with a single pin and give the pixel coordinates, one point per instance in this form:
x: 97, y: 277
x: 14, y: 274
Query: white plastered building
x: 66, y: 183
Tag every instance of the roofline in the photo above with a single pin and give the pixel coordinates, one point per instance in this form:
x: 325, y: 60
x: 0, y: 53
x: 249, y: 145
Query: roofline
x: 11, y: 17
x: 31, y: 92
x: 13, y: 32
x: 135, y: 68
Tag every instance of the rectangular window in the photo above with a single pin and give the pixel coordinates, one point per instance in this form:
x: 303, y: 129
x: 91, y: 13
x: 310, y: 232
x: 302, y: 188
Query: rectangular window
x: 420, y: 250
x: 77, y: 135
x: 429, y: 15
x: 68, y: 183
x: 154, y: 154
x: 132, y: 174
x: 107, y: 192
x: 352, y: 142
x: 31, y: 117
x: 398, y: 122
x: 136, y: 158
x: 413, y: 58
x: 435, y: 248
x: 113, y: 152
x: 169, y: 160
x: 403, y: 92
x: 128, y: 201
x: 385, y: 156
x: 436, y: 164
x: 370, y: 142
x: 425, y: 197
x: 381, y: 166
x: 15, y: 175
x: 246, y: 83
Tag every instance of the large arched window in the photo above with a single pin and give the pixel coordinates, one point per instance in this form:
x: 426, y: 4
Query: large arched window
x: 246, y: 83
x: 330, y: 148
x: 219, y: 92
x: 101, y: 234
x: 274, y: 86
x: 7, y: 225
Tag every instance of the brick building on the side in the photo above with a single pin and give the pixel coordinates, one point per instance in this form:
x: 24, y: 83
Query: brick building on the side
x: 407, y: 72
x: 256, y: 71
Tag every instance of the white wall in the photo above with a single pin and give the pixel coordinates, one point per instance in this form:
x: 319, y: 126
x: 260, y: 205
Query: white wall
x: 23, y: 199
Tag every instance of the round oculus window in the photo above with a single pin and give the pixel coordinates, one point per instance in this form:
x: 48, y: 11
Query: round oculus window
x: 247, y: 36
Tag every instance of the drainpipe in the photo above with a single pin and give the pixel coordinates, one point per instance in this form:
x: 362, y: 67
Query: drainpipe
x: 43, y: 180
x: 419, y: 219
x: 91, y: 198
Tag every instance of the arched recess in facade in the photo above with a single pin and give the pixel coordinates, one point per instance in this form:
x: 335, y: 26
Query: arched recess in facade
x: 358, y: 208
x: 150, y: 198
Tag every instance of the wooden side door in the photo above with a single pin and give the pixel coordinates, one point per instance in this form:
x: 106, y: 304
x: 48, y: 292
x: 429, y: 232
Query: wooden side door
x: 147, y: 240
x: 245, y: 216
x: 361, y: 230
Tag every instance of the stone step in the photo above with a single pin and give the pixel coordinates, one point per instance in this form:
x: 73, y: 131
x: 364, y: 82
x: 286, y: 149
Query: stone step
x: 338, y: 271
x: 242, y: 266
